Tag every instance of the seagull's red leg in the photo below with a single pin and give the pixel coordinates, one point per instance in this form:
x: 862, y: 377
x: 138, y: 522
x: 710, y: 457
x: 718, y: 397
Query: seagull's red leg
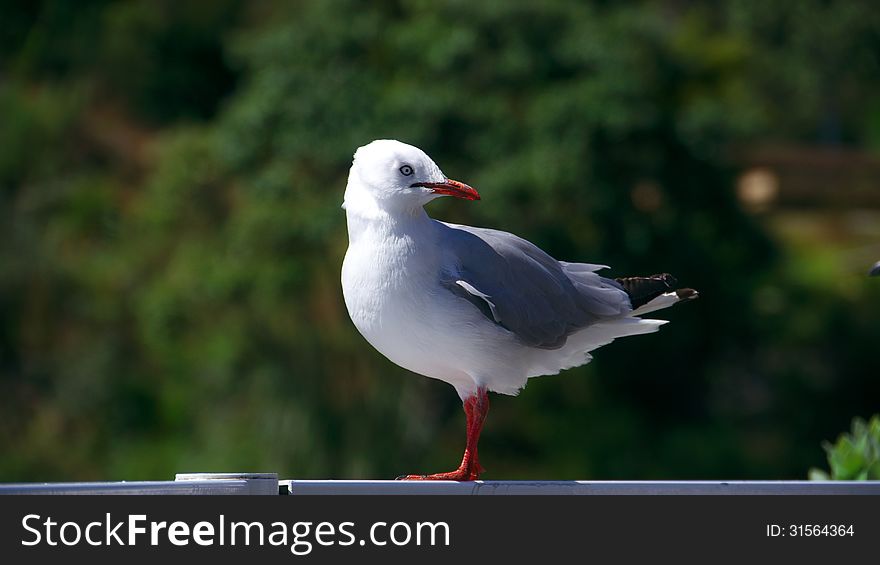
x: 476, y: 407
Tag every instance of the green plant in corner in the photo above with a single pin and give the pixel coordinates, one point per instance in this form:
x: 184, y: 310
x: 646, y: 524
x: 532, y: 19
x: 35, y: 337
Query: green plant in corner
x: 855, y: 456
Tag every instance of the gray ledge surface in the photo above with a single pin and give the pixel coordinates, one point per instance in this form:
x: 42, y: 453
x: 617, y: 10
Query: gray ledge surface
x: 305, y: 487
x: 184, y: 483
x: 268, y: 484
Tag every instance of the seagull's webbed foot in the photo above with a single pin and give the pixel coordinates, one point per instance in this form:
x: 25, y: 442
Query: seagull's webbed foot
x: 450, y: 476
x: 470, y: 473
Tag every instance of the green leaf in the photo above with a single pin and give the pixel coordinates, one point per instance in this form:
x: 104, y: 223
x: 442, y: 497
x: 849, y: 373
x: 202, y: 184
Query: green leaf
x: 855, y: 456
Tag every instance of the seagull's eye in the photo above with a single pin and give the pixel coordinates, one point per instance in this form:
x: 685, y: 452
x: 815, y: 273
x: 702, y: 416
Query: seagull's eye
x: 406, y: 170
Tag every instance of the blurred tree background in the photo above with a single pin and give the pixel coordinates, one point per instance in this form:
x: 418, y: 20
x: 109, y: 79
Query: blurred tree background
x: 171, y: 239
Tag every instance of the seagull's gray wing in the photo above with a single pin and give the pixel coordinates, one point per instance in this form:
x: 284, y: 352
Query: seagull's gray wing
x: 518, y: 286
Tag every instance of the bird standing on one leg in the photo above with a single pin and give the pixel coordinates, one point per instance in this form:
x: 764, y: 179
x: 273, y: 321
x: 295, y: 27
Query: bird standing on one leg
x: 481, y: 309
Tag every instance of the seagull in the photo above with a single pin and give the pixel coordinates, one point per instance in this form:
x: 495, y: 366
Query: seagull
x: 480, y: 309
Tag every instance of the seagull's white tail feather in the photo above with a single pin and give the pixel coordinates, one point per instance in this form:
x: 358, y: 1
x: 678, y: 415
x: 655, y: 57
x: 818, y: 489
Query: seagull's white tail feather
x: 578, y: 346
x: 577, y: 349
x: 665, y: 300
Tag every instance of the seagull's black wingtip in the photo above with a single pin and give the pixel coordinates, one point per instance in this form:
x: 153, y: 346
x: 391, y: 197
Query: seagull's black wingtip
x: 875, y: 270
x: 687, y: 294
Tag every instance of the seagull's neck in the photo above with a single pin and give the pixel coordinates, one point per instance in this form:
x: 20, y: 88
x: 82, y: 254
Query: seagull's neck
x: 387, y: 249
x: 365, y: 214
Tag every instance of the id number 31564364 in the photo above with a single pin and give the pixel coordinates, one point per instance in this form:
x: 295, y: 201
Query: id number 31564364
x: 809, y: 530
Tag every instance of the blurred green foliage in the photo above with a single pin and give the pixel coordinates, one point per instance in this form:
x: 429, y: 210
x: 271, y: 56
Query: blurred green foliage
x: 855, y: 456
x: 171, y: 238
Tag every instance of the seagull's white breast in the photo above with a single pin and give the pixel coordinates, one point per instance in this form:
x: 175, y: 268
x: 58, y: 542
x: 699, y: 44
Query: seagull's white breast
x: 391, y: 284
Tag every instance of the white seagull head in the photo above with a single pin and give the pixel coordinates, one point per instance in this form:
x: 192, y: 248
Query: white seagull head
x: 392, y: 175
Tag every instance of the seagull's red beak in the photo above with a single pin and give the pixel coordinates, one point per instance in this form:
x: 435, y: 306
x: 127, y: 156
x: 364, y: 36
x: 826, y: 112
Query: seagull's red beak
x: 451, y: 188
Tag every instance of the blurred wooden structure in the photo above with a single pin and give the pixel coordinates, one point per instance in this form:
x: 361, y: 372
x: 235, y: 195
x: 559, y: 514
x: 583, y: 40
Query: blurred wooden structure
x: 814, y: 176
